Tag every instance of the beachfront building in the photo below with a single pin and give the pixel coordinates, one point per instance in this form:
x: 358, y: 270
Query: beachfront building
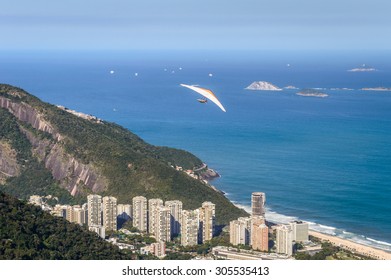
x: 190, y: 227
x: 94, y: 203
x: 259, y: 234
x: 153, y: 212
x: 258, y: 200
x: 110, y: 213
x: 176, y: 216
x: 240, y: 231
x: 207, y: 221
x: 140, y: 213
x: 284, y: 240
x: 300, y: 231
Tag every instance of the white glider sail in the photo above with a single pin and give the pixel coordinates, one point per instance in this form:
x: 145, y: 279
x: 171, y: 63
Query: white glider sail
x: 206, y: 93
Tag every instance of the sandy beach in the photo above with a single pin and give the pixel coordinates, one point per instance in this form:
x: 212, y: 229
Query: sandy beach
x: 352, y: 246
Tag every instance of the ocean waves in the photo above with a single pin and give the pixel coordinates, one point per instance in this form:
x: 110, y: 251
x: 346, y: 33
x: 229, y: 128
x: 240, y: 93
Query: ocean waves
x: 279, y: 218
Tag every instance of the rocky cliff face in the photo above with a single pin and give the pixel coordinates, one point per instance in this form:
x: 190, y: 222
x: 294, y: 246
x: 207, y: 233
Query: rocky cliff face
x: 72, y: 174
x: 8, y: 163
x: 27, y: 114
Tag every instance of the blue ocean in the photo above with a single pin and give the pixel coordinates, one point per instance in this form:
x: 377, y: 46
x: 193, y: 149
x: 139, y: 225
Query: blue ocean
x: 323, y: 160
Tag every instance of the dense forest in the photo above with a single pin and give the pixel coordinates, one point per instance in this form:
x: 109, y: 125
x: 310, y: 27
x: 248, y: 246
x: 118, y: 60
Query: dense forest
x: 27, y: 232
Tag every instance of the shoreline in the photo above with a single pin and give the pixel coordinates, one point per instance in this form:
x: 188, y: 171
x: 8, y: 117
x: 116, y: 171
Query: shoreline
x: 352, y: 246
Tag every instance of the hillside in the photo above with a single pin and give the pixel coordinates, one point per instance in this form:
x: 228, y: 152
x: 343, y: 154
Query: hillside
x: 47, y: 150
x: 27, y: 232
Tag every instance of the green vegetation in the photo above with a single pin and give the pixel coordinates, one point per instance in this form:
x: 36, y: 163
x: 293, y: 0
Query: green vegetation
x: 329, y: 252
x: 26, y: 232
x: 131, y: 166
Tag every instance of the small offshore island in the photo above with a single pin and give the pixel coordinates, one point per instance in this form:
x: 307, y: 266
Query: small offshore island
x: 363, y: 68
x: 377, y: 89
x: 262, y: 85
x: 309, y: 92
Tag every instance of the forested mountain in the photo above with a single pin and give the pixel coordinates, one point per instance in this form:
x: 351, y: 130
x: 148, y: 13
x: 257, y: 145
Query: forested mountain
x: 46, y: 150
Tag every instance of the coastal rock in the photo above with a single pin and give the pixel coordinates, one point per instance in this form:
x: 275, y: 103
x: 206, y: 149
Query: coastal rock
x: 262, y: 85
x: 209, y: 174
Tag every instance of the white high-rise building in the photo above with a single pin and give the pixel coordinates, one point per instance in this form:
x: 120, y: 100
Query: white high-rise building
x: 109, y: 213
x: 94, y: 210
x: 207, y: 221
x: 258, y: 200
x: 153, y: 207
x: 163, y: 224
x: 140, y: 213
x: 79, y: 215
x: 284, y: 240
x: 240, y: 231
x: 190, y: 227
x: 300, y: 231
x: 176, y: 216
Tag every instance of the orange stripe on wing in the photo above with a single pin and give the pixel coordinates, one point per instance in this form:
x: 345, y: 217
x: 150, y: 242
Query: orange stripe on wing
x: 208, y: 90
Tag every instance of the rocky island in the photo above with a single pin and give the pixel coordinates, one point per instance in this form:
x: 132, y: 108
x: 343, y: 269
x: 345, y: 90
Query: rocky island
x: 261, y: 85
x: 309, y: 92
x: 377, y: 89
x: 363, y: 68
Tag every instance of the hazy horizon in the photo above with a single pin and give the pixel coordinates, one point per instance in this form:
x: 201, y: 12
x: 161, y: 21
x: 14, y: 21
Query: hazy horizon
x: 201, y: 25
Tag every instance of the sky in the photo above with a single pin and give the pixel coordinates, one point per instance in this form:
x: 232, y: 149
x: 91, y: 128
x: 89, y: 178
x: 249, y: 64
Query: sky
x: 195, y: 24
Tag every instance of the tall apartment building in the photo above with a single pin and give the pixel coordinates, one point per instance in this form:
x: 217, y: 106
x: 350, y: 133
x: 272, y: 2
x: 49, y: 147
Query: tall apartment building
x: 158, y: 249
x: 140, y: 213
x: 79, y: 215
x: 284, y: 240
x: 240, y: 231
x: 300, y: 231
x: 258, y: 200
x: 109, y: 213
x: 94, y: 203
x: 153, y: 207
x: 207, y: 221
x: 176, y: 216
x: 163, y: 224
x: 190, y: 227
x: 69, y: 213
x: 259, y: 234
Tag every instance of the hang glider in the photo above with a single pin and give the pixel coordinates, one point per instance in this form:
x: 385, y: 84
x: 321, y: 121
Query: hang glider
x: 206, y: 93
